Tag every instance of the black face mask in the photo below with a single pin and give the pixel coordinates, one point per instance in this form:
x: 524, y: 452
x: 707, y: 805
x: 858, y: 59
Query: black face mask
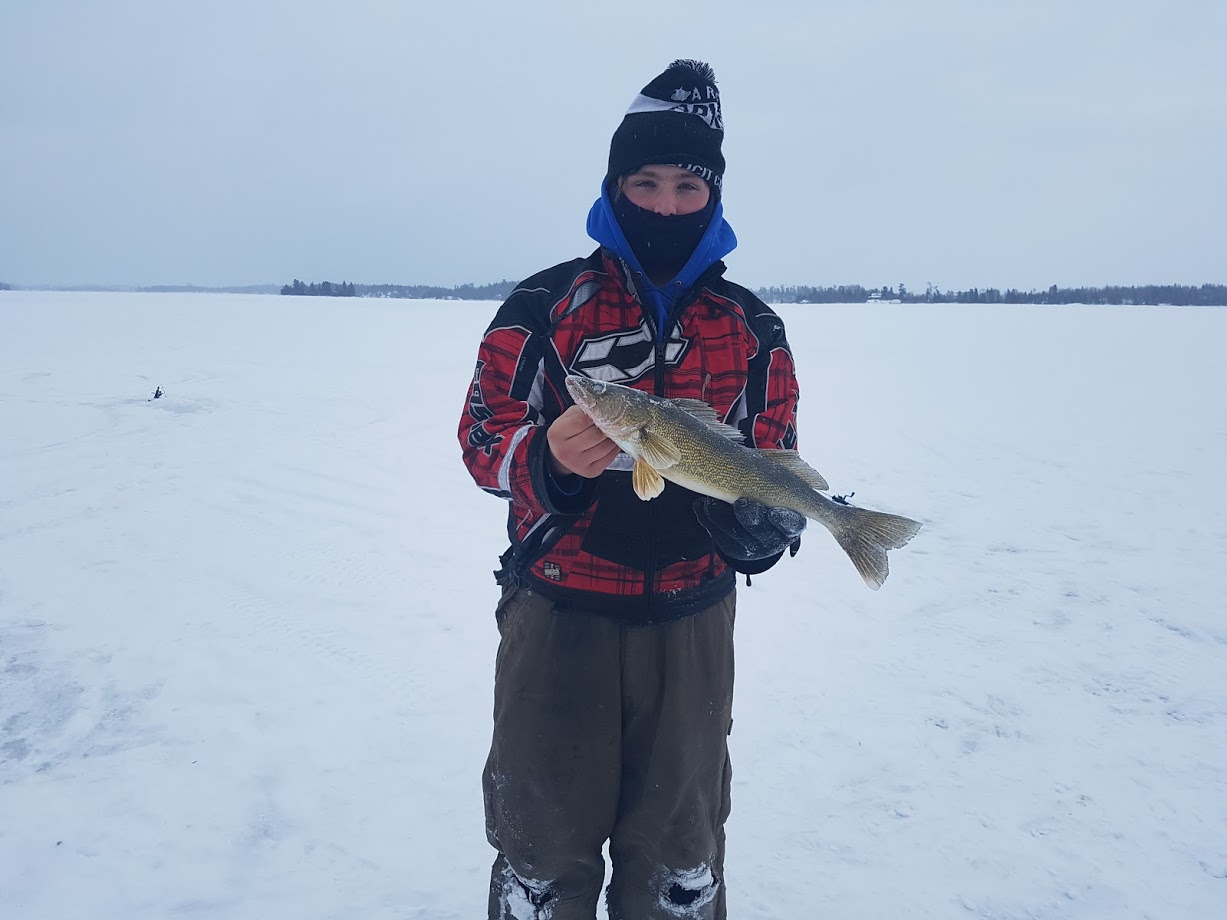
x: 662, y: 244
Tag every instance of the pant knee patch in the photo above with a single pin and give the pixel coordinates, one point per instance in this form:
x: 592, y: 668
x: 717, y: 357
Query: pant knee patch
x: 683, y: 896
x: 526, y: 899
x: 686, y: 892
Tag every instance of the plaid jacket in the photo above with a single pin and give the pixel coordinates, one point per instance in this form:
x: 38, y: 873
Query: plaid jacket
x: 604, y: 549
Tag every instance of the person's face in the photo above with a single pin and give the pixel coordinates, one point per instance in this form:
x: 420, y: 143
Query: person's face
x: 667, y: 190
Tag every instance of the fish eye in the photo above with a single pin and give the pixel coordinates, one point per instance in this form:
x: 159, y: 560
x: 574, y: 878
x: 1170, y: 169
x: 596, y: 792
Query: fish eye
x: 599, y: 387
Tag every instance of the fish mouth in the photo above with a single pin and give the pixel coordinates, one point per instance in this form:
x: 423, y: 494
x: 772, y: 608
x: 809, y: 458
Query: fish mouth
x: 584, y: 389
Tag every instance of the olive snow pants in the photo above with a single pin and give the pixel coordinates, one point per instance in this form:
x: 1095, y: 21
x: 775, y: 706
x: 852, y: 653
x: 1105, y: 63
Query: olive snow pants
x: 604, y: 732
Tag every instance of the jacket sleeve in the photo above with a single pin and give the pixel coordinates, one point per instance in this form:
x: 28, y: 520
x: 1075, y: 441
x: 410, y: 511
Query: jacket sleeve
x: 772, y: 391
x: 510, y: 404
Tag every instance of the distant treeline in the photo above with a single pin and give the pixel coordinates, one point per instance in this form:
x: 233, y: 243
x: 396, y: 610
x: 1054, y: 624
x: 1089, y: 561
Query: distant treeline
x: 5, y: 287
x: 323, y: 289
x: 1207, y: 295
x: 496, y: 291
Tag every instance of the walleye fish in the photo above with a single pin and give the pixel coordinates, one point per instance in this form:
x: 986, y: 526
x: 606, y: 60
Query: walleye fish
x: 683, y: 441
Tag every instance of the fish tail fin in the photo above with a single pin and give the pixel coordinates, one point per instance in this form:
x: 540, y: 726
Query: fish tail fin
x: 867, y: 535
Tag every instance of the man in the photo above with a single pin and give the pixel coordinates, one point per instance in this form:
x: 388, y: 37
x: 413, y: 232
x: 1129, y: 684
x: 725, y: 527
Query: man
x: 614, y: 675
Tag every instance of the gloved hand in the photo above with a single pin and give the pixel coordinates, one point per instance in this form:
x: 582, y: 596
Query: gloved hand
x: 748, y: 530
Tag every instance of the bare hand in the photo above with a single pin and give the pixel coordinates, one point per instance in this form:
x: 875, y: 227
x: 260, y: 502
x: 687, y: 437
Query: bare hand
x: 578, y: 446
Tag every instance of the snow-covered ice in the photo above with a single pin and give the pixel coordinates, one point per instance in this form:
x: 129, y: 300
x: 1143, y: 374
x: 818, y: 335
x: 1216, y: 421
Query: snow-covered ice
x: 246, y: 630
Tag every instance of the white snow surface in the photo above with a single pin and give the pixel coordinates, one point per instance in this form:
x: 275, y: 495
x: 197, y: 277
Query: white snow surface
x: 247, y: 636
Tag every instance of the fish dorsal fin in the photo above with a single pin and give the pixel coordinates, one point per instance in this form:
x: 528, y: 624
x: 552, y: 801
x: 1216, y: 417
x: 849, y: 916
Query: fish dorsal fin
x: 700, y: 410
x: 646, y: 481
x: 658, y: 451
x: 695, y: 407
x: 791, y: 461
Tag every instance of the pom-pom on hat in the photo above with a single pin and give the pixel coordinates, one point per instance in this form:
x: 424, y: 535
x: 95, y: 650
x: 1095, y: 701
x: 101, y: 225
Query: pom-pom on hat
x: 675, y: 120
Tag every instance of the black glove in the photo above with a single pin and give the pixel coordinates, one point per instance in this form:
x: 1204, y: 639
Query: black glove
x: 748, y: 530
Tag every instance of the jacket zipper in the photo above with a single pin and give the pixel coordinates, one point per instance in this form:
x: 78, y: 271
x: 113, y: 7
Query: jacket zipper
x: 658, y: 344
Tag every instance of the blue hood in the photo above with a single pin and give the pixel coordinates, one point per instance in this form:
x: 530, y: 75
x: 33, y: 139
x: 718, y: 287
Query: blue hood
x: 716, y: 243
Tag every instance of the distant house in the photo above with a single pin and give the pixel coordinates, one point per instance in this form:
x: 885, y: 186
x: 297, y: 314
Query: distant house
x: 875, y: 297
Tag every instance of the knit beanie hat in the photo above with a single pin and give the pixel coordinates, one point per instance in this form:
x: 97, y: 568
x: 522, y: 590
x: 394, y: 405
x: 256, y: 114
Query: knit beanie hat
x: 675, y: 120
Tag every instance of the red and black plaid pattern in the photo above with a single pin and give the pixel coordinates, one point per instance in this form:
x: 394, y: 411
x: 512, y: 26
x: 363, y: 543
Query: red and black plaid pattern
x: 726, y: 348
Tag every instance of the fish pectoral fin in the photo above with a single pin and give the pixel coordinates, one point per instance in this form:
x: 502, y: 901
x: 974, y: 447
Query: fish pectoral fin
x: 660, y: 452
x: 701, y: 411
x: 646, y: 481
x: 791, y: 461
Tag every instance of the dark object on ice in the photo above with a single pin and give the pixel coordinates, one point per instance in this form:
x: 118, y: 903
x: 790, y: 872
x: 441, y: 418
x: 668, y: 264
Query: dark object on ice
x: 842, y: 499
x: 157, y: 394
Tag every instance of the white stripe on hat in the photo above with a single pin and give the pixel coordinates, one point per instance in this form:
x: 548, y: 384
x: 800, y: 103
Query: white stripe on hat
x: 644, y: 103
x: 708, y: 111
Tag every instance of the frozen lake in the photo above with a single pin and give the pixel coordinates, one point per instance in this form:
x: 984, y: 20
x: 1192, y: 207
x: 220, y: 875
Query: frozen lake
x: 247, y: 643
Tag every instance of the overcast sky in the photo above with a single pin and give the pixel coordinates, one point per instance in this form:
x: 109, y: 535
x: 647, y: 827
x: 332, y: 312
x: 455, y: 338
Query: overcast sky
x: 959, y: 142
